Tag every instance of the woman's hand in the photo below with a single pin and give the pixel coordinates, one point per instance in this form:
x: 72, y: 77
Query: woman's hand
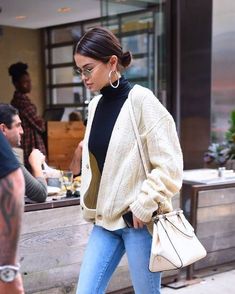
x: 138, y: 224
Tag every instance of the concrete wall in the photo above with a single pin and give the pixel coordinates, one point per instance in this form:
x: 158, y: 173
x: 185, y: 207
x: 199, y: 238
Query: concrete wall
x: 24, y: 45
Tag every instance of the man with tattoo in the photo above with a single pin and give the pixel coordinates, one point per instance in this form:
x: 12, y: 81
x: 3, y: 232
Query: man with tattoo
x: 11, y: 208
x: 35, y: 183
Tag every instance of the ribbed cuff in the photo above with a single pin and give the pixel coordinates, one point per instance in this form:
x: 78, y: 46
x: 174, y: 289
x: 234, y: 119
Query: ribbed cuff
x: 141, y: 213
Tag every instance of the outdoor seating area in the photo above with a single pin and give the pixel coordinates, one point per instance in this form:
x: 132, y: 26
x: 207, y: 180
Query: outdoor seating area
x: 113, y: 115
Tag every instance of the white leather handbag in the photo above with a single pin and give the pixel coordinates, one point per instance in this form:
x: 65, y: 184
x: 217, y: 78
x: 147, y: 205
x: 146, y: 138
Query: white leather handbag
x: 174, y: 243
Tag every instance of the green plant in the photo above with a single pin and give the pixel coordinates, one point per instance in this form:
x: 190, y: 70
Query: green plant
x: 217, y: 153
x: 220, y: 153
x: 230, y: 135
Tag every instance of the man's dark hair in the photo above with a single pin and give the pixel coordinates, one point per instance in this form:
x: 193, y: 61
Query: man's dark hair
x: 7, y: 112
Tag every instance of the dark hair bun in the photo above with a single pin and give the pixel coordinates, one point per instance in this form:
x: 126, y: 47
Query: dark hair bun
x: 17, y: 69
x: 126, y: 59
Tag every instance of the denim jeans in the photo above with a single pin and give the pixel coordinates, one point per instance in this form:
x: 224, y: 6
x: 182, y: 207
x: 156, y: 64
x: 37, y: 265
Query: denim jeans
x: 103, y: 253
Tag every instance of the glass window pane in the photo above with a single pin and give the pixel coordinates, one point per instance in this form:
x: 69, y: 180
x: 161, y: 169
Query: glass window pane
x: 62, y: 54
x: 138, y: 68
x: 67, y: 95
x: 137, y: 22
x: 64, y: 75
x: 149, y: 43
x: 111, y: 8
x: 112, y: 25
x: 142, y: 83
x: 136, y: 43
x: 90, y: 25
x: 65, y: 34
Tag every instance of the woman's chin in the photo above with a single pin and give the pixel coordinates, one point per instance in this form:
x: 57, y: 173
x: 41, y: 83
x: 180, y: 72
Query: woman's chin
x: 92, y: 89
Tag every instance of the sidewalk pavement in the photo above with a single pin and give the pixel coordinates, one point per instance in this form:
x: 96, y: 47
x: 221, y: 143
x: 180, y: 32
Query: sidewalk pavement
x: 216, y: 284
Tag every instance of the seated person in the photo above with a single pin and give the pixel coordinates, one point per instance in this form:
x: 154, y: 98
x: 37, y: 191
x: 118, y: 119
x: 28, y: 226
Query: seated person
x: 75, y: 116
x: 10, y: 125
x: 75, y: 165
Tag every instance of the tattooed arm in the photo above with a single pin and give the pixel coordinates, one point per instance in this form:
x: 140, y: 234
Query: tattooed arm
x: 11, y: 207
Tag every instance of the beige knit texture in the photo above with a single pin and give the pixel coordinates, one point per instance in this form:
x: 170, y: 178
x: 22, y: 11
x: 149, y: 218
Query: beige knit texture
x: 123, y: 183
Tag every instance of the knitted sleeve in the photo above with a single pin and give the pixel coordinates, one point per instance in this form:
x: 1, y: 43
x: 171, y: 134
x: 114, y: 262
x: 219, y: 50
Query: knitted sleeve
x: 165, y: 159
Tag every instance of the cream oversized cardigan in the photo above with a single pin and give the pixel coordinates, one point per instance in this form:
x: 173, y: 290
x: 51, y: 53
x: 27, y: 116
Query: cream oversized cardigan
x: 123, y: 183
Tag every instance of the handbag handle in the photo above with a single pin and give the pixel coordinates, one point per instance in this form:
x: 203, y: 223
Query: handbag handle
x: 188, y: 231
x: 137, y: 135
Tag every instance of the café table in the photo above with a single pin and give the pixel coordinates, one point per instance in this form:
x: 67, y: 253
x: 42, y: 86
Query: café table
x: 53, y: 201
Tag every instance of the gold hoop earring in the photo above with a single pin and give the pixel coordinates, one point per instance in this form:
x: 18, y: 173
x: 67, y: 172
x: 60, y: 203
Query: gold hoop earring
x: 110, y: 79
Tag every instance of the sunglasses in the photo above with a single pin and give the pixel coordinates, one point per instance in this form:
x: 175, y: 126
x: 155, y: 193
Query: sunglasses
x: 87, y: 72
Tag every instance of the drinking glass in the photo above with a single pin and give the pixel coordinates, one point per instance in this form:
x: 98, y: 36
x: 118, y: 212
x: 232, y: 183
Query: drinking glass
x: 67, y: 179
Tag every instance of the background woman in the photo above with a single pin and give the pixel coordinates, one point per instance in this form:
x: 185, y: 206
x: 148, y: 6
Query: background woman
x: 33, y: 125
x: 113, y: 177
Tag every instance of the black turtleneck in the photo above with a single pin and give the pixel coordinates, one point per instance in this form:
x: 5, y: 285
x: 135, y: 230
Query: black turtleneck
x: 105, y: 117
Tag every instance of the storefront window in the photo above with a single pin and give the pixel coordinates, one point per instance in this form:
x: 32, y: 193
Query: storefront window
x: 65, y: 75
x: 62, y: 54
x: 65, y: 34
x: 139, y: 30
x: 72, y: 95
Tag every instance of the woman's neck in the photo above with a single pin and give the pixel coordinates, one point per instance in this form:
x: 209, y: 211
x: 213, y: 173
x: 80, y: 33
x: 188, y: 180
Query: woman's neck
x: 115, y: 93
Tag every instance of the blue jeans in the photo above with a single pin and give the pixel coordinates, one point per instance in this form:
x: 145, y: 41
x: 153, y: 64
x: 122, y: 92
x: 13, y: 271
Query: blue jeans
x: 103, y: 253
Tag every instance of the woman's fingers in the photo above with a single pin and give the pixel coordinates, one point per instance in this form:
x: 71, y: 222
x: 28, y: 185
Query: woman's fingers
x: 138, y: 224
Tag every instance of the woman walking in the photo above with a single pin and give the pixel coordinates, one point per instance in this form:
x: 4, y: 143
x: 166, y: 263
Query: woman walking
x: 113, y: 177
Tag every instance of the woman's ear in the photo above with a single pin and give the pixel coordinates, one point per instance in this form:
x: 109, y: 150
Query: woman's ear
x: 113, y: 62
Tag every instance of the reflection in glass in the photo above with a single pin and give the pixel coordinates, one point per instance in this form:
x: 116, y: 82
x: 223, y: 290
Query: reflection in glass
x: 90, y: 25
x: 64, y: 75
x: 143, y: 83
x: 67, y: 95
x: 62, y: 54
x: 112, y: 25
x: 116, y: 7
x: 66, y: 34
x: 137, y: 22
x: 137, y: 69
x: 135, y: 44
